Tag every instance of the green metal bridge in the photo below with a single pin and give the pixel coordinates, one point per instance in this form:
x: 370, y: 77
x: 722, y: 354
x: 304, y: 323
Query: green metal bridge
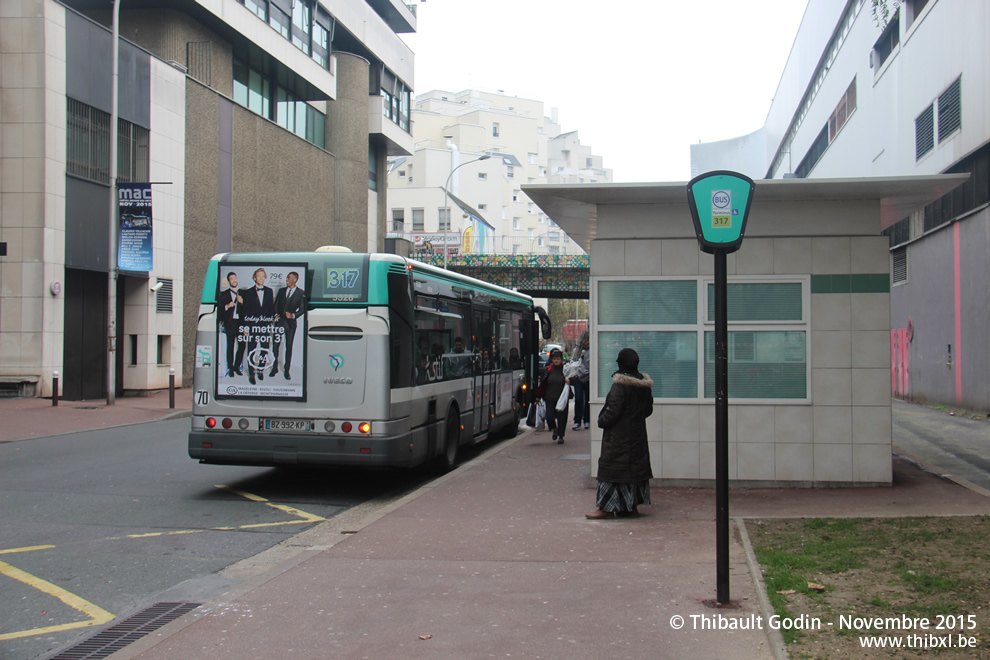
x: 537, y: 275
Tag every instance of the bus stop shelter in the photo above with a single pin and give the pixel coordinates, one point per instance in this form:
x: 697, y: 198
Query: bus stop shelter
x: 809, y: 322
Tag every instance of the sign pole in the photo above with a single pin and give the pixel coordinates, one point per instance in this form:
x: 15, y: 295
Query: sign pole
x: 721, y: 431
x: 719, y: 203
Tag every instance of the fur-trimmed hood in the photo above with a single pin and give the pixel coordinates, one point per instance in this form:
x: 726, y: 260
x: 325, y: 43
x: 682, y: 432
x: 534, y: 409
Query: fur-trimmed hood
x: 626, y: 379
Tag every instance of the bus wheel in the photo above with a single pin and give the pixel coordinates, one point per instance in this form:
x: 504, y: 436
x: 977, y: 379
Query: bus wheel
x: 451, y: 441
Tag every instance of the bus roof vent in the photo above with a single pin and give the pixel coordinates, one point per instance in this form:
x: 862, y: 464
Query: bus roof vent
x: 333, y: 248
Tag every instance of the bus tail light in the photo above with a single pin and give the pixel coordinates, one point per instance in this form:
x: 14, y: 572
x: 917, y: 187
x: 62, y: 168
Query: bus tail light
x: 227, y: 422
x: 211, y: 422
x: 346, y: 427
x: 364, y: 427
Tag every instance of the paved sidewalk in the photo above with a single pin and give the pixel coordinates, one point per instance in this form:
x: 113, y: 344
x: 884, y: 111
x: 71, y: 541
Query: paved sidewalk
x: 25, y: 418
x: 497, y: 559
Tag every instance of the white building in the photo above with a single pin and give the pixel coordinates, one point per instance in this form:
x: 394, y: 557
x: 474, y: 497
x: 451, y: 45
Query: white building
x: 909, y: 98
x: 482, y: 148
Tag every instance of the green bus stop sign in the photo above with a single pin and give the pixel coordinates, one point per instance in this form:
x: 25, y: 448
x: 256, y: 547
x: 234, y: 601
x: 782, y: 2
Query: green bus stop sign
x: 720, y: 204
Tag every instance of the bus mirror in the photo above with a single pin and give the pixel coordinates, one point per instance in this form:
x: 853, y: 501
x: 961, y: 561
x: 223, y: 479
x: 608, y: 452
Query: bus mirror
x: 545, y: 327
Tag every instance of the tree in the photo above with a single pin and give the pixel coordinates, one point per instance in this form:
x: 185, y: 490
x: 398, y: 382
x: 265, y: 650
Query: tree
x: 882, y: 11
x: 562, y: 309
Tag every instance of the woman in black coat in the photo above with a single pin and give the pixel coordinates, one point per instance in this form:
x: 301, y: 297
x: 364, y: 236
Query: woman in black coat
x: 550, y: 391
x: 624, y: 470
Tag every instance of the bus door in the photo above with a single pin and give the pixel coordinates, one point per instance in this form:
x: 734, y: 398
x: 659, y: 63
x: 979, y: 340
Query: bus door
x: 484, y: 399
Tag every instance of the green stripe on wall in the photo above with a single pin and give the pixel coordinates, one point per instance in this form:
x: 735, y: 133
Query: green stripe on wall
x: 859, y: 283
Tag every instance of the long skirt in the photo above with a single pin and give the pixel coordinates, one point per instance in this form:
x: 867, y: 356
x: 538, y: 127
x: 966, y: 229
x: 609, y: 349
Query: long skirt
x: 622, y: 498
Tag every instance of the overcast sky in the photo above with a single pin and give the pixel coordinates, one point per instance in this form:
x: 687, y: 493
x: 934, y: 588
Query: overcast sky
x: 640, y: 80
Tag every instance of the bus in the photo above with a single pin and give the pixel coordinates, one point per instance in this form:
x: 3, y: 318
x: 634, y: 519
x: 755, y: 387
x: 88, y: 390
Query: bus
x: 344, y: 359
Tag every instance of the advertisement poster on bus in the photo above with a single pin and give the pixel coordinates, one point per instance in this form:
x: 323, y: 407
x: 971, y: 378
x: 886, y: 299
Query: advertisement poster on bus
x: 261, y: 331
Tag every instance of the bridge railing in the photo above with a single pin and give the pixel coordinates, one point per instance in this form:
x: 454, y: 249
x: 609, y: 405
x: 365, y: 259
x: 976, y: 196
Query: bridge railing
x: 432, y: 243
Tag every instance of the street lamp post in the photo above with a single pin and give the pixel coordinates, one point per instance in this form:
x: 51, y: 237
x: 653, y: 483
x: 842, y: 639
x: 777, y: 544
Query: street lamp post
x: 446, y: 204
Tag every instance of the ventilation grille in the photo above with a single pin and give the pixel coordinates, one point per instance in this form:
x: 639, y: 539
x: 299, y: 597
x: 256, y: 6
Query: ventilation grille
x: 949, y: 110
x: 924, y: 132
x: 899, y: 268
x: 131, y: 629
x: 163, y: 298
x: 399, y: 269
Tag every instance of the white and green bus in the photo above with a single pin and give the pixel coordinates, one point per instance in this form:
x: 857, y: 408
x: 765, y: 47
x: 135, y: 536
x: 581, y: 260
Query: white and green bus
x: 338, y: 358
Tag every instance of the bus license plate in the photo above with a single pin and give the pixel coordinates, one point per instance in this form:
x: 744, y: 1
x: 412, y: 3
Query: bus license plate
x: 287, y: 424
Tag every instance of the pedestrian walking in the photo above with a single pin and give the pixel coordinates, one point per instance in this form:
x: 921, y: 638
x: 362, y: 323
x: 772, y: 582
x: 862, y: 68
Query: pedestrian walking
x: 624, y: 470
x: 582, y: 391
x: 550, y: 391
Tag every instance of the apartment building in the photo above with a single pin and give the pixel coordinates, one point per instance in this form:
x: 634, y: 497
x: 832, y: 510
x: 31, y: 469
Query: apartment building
x: 252, y: 125
x: 858, y: 99
x: 482, y: 148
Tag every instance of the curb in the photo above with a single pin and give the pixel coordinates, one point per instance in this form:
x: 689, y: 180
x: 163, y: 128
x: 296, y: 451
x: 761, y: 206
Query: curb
x: 777, y: 645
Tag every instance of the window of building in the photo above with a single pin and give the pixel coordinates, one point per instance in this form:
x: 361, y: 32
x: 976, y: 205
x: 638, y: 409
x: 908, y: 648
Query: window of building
x: 950, y: 110
x: 888, y: 41
x: 510, y: 172
x: 515, y: 195
x: 398, y: 220
x: 530, y: 208
x: 279, y: 20
x: 543, y: 171
x: 516, y: 223
x: 482, y: 176
x: 88, y: 140
x: 588, y: 162
x: 553, y: 236
x: 553, y: 249
x: 530, y: 233
x: 417, y: 217
x: 842, y: 111
x: 372, y: 168
x: 531, y: 158
x: 814, y: 154
x: 494, y: 129
x: 899, y: 232
x: 257, y: 93
x: 924, y: 132
x: 443, y: 219
x: 912, y: 10
x: 515, y: 248
x: 768, y: 330
x: 482, y: 207
x: 164, y: 352
x: 302, y: 20
x: 259, y: 7
x: 539, y: 218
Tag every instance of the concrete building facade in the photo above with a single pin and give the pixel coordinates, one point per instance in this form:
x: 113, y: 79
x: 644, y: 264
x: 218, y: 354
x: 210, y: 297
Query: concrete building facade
x: 262, y: 125
x: 858, y: 99
x: 525, y: 146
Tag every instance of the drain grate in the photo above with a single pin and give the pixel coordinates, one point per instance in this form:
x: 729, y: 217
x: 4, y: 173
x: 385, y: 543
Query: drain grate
x: 131, y: 629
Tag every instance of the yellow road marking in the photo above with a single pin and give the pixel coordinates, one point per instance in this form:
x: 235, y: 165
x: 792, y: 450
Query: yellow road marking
x: 306, y: 517
x: 28, y: 549
x: 97, y: 615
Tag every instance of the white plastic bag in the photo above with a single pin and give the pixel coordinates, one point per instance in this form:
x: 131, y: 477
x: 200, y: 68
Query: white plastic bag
x: 571, y: 368
x: 565, y: 396
x: 541, y: 415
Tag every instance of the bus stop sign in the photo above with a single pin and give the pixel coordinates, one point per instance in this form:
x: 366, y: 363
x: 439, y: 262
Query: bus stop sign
x: 719, y: 203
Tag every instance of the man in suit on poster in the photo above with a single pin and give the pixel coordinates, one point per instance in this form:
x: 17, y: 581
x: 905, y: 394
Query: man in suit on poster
x: 231, y: 315
x: 290, y: 304
x: 259, y: 312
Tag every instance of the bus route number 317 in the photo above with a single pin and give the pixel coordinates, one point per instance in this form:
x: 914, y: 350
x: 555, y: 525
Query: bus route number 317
x: 340, y: 280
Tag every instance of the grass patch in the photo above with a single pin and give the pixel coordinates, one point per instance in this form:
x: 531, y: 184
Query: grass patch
x: 873, y: 567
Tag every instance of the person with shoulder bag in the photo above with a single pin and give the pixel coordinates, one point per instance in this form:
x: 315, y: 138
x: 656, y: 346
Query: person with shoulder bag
x: 550, y: 391
x: 624, y: 470
x: 582, y: 385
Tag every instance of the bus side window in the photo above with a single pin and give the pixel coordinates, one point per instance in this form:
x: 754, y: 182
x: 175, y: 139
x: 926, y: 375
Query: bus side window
x: 400, y: 334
